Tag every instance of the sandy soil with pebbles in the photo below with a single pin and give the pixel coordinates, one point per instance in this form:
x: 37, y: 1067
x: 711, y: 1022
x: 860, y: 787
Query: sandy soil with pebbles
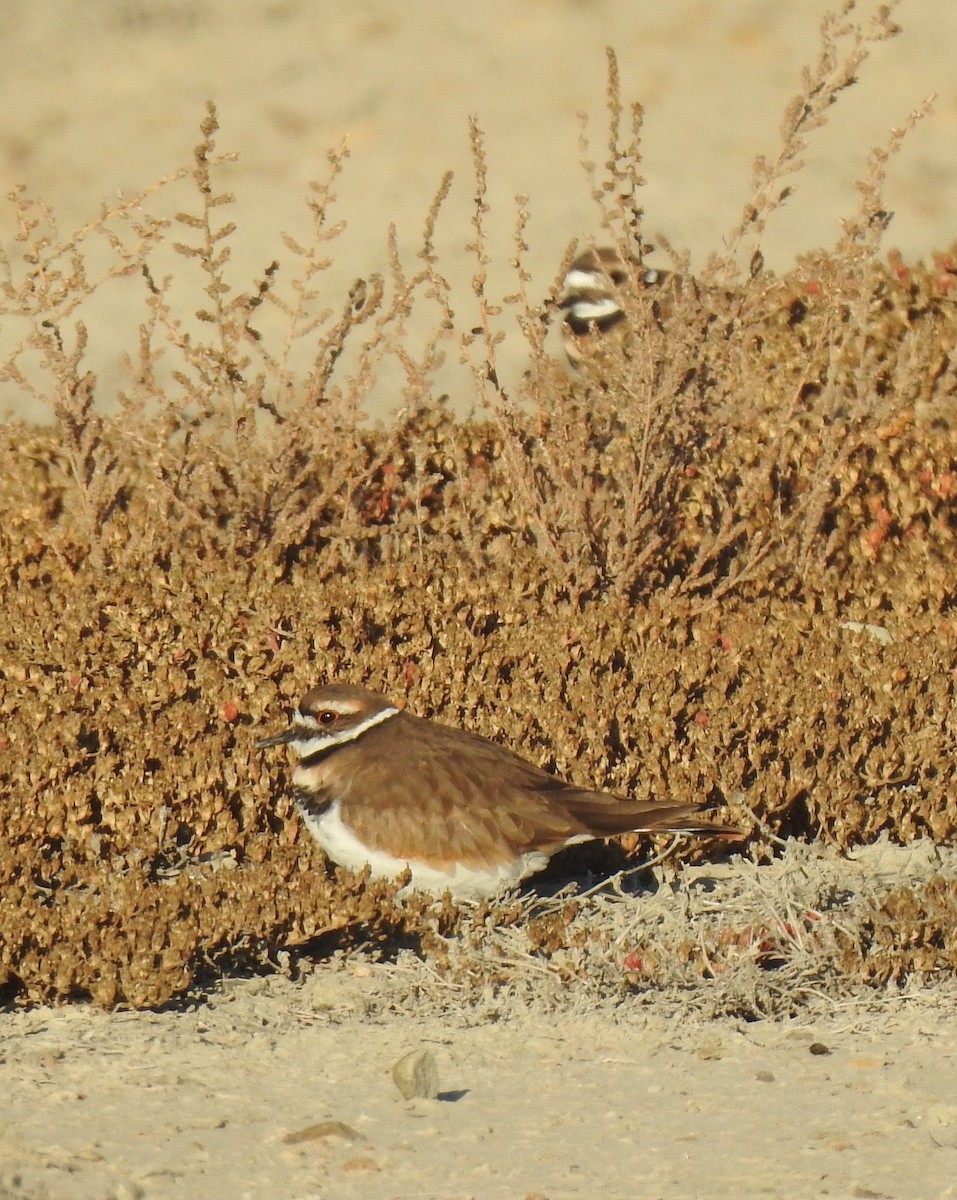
x: 540, y: 1087
x: 610, y: 1098
x: 282, y: 1089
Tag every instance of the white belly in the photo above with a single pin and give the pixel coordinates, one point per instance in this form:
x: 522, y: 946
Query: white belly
x: 344, y: 848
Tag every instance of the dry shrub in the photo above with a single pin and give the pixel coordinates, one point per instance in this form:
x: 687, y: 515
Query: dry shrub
x: 739, y: 938
x: 910, y: 932
x: 718, y: 567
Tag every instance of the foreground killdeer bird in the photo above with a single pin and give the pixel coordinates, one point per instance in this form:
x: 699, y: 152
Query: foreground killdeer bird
x: 382, y: 788
x: 591, y: 298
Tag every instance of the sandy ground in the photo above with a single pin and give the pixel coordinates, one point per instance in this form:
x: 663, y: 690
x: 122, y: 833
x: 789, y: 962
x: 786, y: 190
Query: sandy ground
x: 617, y: 1099
x: 617, y: 1102
x: 544, y: 1088
x: 106, y: 97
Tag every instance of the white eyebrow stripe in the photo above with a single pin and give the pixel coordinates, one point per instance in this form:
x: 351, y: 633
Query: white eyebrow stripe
x: 343, y: 708
x: 325, y: 741
x: 583, y: 281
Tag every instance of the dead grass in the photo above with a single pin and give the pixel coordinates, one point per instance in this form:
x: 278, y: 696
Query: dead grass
x: 718, y: 566
x: 808, y: 929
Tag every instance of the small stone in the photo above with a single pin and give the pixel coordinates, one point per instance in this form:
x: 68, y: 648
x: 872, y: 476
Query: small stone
x: 361, y: 1164
x: 416, y: 1074
x: 818, y: 1048
x: 128, y: 1191
x: 322, y: 1132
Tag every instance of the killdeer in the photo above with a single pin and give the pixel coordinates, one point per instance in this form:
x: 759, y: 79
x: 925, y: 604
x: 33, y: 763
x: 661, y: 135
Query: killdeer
x: 591, y: 298
x: 382, y: 788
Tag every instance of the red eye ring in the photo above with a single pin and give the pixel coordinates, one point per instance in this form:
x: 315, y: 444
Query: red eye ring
x: 327, y: 717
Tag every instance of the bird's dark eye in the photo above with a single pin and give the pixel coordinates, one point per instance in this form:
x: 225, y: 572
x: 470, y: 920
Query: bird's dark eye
x: 327, y: 717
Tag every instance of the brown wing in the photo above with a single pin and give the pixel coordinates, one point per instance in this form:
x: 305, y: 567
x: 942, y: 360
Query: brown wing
x: 464, y: 799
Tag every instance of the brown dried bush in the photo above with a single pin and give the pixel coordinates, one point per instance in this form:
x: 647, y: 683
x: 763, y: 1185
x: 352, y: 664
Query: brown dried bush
x: 717, y: 567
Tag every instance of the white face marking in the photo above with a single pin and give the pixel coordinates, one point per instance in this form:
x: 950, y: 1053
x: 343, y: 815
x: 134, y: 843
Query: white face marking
x: 578, y: 280
x: 594, y: 310
x: 344, y: 848
x: 313, y: 738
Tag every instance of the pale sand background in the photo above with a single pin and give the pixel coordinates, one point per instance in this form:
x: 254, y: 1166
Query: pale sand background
x: 617, y: 1102
x: 547, y: 1087
x: 107, y: 96
x: 620, y: 1104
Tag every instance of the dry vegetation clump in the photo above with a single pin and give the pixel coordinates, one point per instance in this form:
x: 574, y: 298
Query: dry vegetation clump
x: 718, y: 566
x: 734, y: 938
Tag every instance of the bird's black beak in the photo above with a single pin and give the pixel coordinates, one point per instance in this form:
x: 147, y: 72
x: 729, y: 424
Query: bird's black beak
x: 279, y: 739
